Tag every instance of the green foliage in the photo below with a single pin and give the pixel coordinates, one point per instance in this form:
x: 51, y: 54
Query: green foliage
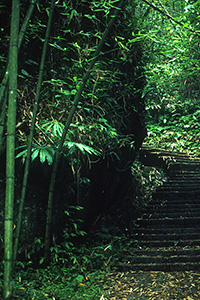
x: 83, y: 148
x: 172, y: 89
x: 181, y: 134
x: 44, y: 153
x: 30, y: 251
x: 58, y: 282
x: 55, y: 128
x: 67, y: 250
x: 146, y: 180
x: 80, y: 278
x: 100, y: 124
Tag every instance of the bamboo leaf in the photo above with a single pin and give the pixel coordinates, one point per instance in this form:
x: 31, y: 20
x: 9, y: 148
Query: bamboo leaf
x: 42, y: 156
x: 35, y: 154
x: 22, y: 153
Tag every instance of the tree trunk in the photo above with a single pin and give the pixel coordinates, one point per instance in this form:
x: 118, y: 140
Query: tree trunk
x: 30, y: 140
x: 67, y: 124
x: 10, y: 151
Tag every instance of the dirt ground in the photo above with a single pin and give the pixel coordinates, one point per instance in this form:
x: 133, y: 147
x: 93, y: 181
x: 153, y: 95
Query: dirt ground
x: 153, y: 285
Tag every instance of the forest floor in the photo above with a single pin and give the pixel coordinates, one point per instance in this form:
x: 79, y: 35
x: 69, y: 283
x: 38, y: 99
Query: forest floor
x: 153, y: 285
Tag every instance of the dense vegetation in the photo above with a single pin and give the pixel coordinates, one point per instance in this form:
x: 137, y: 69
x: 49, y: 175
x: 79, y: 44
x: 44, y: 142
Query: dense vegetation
x: 172, y: 89
x: 83, y: 114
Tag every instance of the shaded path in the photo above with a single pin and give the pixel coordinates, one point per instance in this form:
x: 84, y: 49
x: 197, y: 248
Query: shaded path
x: 153, y: 285
x: 163, y: 260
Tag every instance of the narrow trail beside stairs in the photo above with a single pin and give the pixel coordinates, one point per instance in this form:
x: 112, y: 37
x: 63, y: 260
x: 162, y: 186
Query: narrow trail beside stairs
x: 163, y: 260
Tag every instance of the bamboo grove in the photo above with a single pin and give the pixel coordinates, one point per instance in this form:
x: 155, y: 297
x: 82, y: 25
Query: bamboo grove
x: 83, y: 83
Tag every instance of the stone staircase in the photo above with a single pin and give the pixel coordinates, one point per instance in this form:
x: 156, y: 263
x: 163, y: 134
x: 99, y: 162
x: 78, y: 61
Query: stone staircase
x: 167, y: 236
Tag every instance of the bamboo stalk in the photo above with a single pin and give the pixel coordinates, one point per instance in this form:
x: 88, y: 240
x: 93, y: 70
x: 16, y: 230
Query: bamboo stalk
x: 3, y: 98
x: 10, y: 150
x: 30, y: 140
x: 2, y: 119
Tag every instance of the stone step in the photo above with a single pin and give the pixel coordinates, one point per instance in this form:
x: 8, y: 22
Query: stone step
x: 166, y: 236
x: 176, y: 205
x: 188, y: 182
x: 171, y: 160
x: 166, y: 243
x: 184, y: 178
x: 173, y: 203
x: 166, y: 252
x: 163, y: 152
x: 183, y: 174
x: 170, y: 214
x: 170, y: 267
x: 170, y: 208
x: 172, y: 222
x: 177, y: 192
x: 183, y: 166
x: 167, y: 194
x: 183, y: 214
x: 192, y: 180
x: 173, y: 206
x: 165, y: 230
x: 180, y: 159
x: 173, y: 258
x: 176, y: 188
x: 158, y: 157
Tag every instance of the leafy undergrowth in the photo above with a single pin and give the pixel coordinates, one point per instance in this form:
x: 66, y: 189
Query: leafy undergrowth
x: 180, y: 134
x: 146, y: 179
x: 79, y: 273
x: 58, y: 282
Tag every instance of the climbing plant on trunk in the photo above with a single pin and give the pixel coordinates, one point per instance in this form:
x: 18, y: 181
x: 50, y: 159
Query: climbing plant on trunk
x: 67, y: 124
x: 10, y: 150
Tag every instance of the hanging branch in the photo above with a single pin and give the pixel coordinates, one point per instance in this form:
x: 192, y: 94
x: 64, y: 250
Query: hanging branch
x: 67, y: 124
x: 30, y: 140
x: 10, y: 150
x: 5, y: 78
